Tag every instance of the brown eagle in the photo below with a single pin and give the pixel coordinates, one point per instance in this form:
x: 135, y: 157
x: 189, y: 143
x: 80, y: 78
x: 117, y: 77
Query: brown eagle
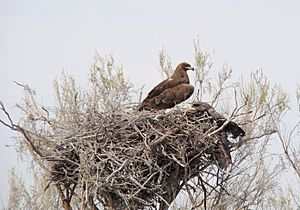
x: 171, y: 91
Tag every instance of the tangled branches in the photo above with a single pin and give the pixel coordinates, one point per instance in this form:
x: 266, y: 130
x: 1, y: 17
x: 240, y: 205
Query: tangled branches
x: 136, y: 160
x: 97, y: 153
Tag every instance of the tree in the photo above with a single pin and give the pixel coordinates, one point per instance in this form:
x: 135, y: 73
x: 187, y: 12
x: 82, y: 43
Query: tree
x: 154, y: 164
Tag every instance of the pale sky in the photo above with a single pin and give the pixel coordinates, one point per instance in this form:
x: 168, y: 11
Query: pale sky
x: 39, y: 38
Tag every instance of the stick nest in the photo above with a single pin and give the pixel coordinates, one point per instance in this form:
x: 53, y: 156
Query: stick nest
x: 135, y: 160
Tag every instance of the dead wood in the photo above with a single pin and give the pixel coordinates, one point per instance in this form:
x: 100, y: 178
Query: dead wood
x: 135, y: 160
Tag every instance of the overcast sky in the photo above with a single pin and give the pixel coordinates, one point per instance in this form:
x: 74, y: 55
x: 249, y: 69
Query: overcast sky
x: 39, y: 38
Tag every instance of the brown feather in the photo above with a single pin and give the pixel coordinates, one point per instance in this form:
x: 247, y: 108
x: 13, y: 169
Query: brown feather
x: 170, y: 92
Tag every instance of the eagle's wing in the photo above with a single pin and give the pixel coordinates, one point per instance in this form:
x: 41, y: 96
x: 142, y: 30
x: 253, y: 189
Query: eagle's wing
x: 172, y: 96
x: 168, y: 97
x: 166, y: 84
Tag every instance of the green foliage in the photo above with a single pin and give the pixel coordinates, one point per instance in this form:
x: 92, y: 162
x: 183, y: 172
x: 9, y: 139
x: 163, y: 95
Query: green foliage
x: 165, y: 64
x: 34, y: 197
x: 110, y: 89
x: 203, y: 65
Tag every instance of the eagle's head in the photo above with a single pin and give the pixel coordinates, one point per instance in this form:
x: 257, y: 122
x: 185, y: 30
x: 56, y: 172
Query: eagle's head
x: 185, y: 66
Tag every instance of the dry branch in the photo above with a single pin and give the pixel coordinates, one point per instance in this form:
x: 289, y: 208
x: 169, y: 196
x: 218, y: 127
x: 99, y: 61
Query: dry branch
x: 136, y: 160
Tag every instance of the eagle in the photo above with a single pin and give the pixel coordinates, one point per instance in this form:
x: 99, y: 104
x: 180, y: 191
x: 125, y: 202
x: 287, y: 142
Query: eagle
x: 219, y: 119
x: 171, y: 91
x: 221, y: 148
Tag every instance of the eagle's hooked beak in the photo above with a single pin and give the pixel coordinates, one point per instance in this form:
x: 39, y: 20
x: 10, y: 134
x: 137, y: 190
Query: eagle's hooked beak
x: 190, y: 68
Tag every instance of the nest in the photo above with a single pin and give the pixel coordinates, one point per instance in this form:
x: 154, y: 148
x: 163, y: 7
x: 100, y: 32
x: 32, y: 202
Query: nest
x: 135, y: 160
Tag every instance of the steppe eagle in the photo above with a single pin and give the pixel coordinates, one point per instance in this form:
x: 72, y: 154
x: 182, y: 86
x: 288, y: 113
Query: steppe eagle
x: 171, y: 91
